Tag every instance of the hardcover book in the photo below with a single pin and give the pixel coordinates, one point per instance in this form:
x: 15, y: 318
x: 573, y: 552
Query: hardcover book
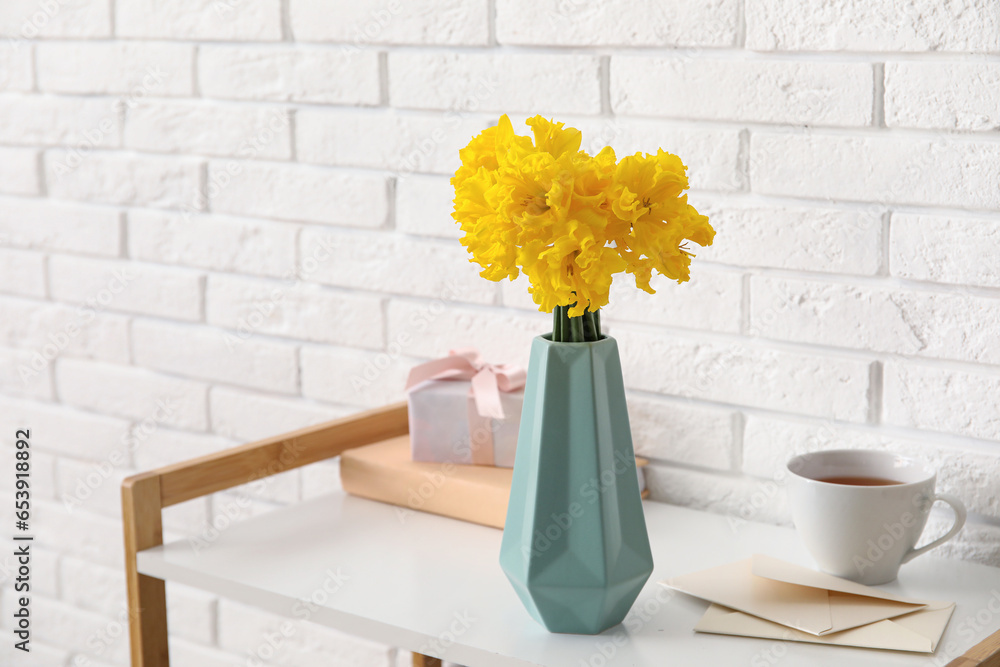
x: 384, y: 471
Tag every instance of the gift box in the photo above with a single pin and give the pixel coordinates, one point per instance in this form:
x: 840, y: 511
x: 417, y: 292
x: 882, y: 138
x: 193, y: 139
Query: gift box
x: 463, y: 410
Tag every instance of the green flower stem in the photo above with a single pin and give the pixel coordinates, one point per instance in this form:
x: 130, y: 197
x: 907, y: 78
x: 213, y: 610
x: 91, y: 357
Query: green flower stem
x: 576, y: 334
x: 583, y: 329
x: 588, y: 326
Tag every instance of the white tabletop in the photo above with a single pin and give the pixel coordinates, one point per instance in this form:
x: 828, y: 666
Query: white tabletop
x: 434, y: 585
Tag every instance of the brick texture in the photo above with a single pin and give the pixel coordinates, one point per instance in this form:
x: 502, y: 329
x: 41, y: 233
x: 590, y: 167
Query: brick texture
x: 514, y: 82
x: 459, y: 22
x: 19, y: 171
x: 298, y: 75
x: 221, y: 220
x: 945, y: 250
x: 768, y: 92
x: 137, y: 69
x: 856, y: 25
x: 618, y: 23
x: 942, y: 96
x: 877, y: 168
x: 209, y: 129
x: 252, y: 20
x: 297, y: 193
x: 24, y: 20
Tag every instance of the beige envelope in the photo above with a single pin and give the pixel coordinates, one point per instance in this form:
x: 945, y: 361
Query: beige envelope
x: 917, y: 631
x: 796, y: 597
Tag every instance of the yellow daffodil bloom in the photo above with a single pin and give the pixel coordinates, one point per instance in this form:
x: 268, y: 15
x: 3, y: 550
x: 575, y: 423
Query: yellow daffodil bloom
x: 570, y: 221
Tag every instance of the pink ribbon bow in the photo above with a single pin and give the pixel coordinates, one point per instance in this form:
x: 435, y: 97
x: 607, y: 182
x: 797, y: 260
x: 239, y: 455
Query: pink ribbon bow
x: 487, y: 381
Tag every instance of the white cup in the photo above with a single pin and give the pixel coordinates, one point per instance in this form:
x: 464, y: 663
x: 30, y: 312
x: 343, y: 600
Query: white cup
x: 864, y: 533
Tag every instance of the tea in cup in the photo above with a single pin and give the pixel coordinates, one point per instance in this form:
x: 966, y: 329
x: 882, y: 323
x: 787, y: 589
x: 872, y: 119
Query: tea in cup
x: 859, y: 513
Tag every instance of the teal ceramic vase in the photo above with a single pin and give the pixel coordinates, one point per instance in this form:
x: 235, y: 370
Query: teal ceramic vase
x: 574, y: 544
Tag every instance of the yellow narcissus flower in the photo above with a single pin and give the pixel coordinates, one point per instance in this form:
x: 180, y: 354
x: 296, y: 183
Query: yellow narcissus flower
x: 570, y: 221
x: 648, y: 194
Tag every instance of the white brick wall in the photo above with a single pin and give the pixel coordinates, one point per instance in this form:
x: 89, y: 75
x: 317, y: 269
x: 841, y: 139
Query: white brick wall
x: 252, y: 20
x: 459, y: 22
x: 126, y: 286
x: 22, y: 272
x: 216, y: 355
x: 618, y: 23
x: 19, y: 171
x: 28, y: 19
x: 115, y: 67
x: 224, y: 219
x: 209, y: 129
x: 15, y: 69
x: 944, y: 250
x: 322, y: 75
x: 300, y: 193
x: 956, y: 96
x: 393, y: 263
x: 217, y: 242
x: 122, y: 178
x: 395, y: 141
x: 761, y: 91
x: 960, y: 172
x: 45, y: 120
x: 294, y: 309
x: 48, y: 225
x: 495, y: 82
x: 858, y: 25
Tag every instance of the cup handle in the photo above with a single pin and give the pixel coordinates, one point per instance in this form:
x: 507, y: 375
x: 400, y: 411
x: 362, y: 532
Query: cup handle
x: 959, y: 509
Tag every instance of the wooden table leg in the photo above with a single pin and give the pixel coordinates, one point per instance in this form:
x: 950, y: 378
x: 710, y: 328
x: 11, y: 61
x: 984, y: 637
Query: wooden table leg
x: 147, y: 599
x: 425, y: 661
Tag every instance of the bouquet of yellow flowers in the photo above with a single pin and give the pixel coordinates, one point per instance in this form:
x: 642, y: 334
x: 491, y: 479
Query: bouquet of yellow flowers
x: 570, y: 221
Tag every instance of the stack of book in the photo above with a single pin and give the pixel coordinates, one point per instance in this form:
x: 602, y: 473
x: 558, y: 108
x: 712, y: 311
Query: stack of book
x: 385, y: 471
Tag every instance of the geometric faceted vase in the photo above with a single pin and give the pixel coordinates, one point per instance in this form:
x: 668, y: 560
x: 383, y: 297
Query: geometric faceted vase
x: 575, y: 545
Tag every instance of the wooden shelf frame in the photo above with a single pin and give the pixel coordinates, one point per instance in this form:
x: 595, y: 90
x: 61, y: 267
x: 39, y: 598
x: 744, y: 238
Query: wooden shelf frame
x: 145, y: 495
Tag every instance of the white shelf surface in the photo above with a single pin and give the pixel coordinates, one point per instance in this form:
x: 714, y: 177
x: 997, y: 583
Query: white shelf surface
x: 433, y: 585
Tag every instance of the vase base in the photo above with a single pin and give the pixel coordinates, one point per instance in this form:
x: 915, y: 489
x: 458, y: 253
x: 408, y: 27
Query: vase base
x: 580, y: 610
